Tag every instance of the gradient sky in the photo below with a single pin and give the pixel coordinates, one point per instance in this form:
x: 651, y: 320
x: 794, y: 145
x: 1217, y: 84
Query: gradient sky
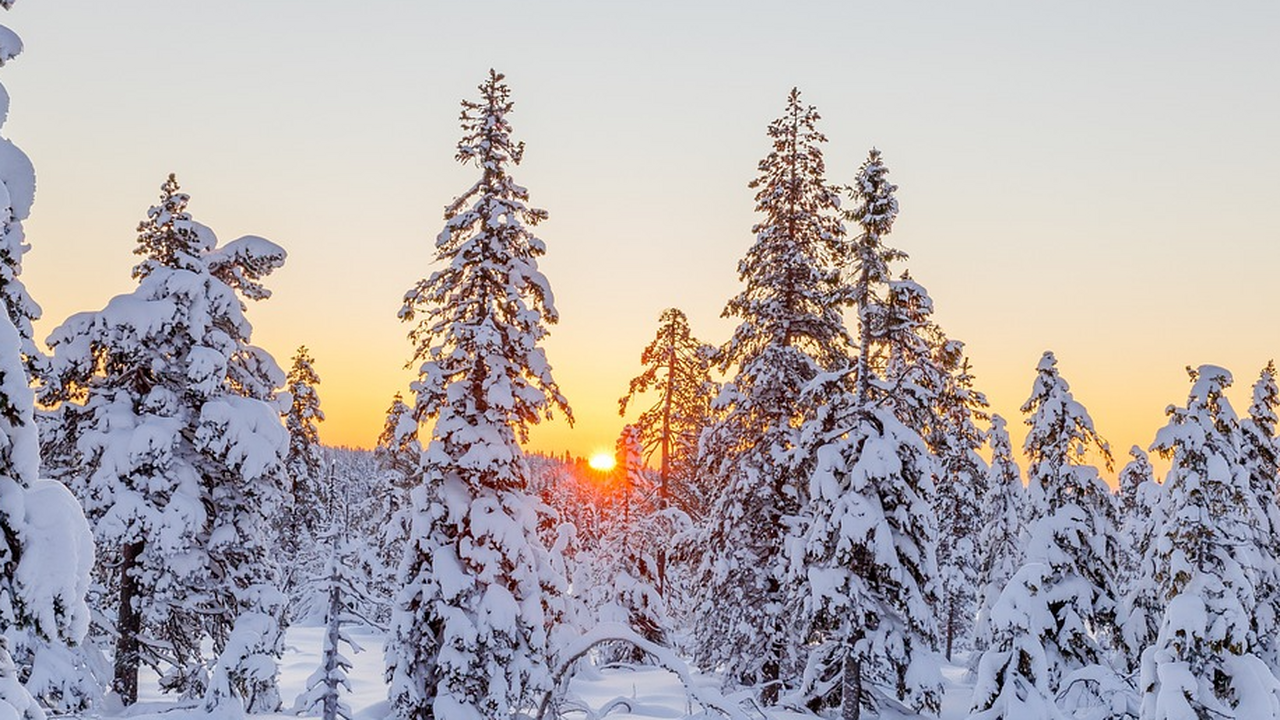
x: 1096, y: 178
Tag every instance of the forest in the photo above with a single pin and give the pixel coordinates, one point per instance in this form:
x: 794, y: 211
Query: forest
x: 817, y: 517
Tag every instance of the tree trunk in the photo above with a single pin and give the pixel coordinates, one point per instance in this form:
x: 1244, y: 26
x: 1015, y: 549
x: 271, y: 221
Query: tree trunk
x: 333, y: 637
x: 851, y: 686
x: 129, y: 626
x: 951, y: 625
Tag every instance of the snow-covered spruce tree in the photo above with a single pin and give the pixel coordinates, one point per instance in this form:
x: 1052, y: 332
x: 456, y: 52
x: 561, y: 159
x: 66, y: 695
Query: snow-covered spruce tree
x: 955, y: 440
x: 1142, y: 516
x: 46, y: 553
x: 867, y: 558
x: 677, y: 371
x: 341, y: 585
x: 470, y: 628
x: 398, y: 455
x: 1001, y: 517
x: 1204, y: 662
x: 161, y: 419
x: 790, y: 331
x: 45, y: 546
x: 1072, y: 533
x: 1261, y: 458
x: 1013, y: 670
x: 308, y: 503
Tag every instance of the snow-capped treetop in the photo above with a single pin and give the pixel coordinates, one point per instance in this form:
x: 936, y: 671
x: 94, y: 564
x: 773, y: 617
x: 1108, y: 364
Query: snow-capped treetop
x: 1060, y: 437
x: 305, y: 409
x: 792, y: 295
x: 875, y: 209
x: 1133, y: 476
x: 479, y: 320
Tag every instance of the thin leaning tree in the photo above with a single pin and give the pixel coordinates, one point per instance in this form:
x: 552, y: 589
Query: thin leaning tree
x: 479, y: 596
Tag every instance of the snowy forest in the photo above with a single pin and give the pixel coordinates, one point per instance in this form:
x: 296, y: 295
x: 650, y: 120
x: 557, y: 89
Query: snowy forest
x: 817, y: 517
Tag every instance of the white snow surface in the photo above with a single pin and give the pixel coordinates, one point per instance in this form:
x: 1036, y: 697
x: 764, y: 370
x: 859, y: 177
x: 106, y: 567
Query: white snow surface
x: 628, y: 692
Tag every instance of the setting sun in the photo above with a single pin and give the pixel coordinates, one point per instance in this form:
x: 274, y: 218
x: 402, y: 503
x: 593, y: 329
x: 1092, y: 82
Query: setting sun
x: 602, y: 461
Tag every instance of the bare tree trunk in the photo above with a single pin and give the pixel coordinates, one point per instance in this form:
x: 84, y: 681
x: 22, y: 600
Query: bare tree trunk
x: 129, y: 626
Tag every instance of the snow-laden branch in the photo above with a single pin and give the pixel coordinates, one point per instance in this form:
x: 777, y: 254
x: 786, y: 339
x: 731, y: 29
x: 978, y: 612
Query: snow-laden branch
x: 665, y: 658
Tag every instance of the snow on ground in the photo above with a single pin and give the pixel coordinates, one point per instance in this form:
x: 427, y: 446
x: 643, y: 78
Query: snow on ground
x: 626, y: 693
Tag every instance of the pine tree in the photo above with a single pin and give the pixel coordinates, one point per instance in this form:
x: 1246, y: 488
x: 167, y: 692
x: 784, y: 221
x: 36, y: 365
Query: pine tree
x: 45, y: 546
x: 304, y: 464
x: 340, y: 585
x: 1204, y: 662
x: 677, y: 369
x: 1261, y: 459
x: 398, y: 456
x: 790, y: 331
x: 162, y: 421
x: 1072, y: 535
x: 955, y: 440
x: 1142, y: 516
x: 999, y: 547
x: 470, y: 629
x: 868, y: 554
x: 1014, y: 670
x: 308, y: 502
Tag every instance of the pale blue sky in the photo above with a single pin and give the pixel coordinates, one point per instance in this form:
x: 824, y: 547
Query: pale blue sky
x: 1096, y: 178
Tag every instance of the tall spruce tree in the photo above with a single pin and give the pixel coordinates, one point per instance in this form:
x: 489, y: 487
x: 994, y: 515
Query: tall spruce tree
x: 470, y: 628
x: 955, y: 441
x: 677, y: 371
x: 1204, y: 662
x: 999, y: 547
x: 45, y: 547
x: 162, y: 424
x: 867, y: 557
x: 398, y: 456
x: 1070, y: 600
x: 307, y: 506
x: 790, y: 330
x: 1142, y: 516
x: 1260, y: 455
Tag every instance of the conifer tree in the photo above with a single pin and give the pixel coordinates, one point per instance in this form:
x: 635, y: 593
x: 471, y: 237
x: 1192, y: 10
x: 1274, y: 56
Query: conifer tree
x: 1142, y: 515
x: 304, y: 464
x: 398, y: 456
x: 162, y: 421
x: 999, y: 549
x: 45, y: 546
x: 677, y: 369
x: 790, y: 330
x: 868, y: 561
x: 308, y: 502
x: 1261, y: 459
x: 1072, y: 538
x: 341, y: 586
x: 955, y: 440
x: 470, y: 628
x: 1204, y: 662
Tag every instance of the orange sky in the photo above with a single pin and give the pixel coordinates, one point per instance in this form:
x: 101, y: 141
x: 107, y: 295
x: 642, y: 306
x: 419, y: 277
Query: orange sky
x: 1102, y: 189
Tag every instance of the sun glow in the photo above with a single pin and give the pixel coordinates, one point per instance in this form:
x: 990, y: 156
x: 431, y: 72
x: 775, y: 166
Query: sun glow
x: 602, y: 461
